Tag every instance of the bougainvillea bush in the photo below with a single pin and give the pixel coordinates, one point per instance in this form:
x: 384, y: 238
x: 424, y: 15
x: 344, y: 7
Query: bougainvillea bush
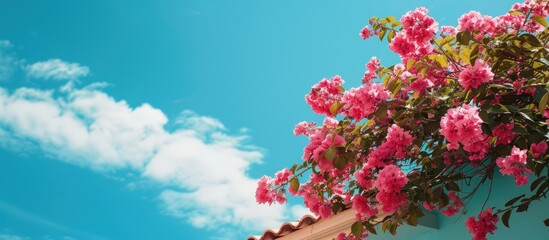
x: 465, y: 102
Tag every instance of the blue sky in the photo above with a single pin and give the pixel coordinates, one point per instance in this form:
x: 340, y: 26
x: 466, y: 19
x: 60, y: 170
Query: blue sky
x: 153, y: 119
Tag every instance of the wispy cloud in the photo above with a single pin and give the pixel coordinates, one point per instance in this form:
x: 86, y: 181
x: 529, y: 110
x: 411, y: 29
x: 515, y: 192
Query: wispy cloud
x: 18, y: 213
x: 11, y: 237
x: 7, y: 60
x: 202, y: 168
x: 57, y: 69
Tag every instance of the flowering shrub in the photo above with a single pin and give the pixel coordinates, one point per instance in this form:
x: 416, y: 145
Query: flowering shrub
x: 468, y: 97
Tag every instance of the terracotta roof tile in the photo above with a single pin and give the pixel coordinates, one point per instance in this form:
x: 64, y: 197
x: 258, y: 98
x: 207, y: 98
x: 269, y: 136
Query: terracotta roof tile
x: 286, y: 228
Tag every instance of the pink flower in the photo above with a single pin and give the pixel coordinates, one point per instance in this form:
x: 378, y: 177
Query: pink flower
x: 318, y: 206
x: 389, y: 182
x: 350, y: 236
x: 324, y: 94
x: 391, y: 201
x: 373, y: 66
x: 391, y: 179
x: 455, y: 205
x: 402, y: 45
x: 504, y: 133
x: 362, y: 101
x: 515, y: 164
x: 364, y: 178
x: 473, y: 76
x: 418, y: 26
x: 266, y: 194
x: 463, y: 125
x: 304, y: 128
x: 538, y: 149
x: 365, y: 33
x: 282, y: 176
x: 448, y: 31
x: 319, y: 142
x: 399, y: 140
x: 486, y: 224
x: 364, y: 208
x: 428, y: 206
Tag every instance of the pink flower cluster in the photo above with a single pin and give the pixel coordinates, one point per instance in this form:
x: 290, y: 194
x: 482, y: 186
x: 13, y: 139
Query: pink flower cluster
x: 373, y: 66
x: 504, y: 133
x: 390, y: 182
x: 364, y: 208
x: 508, y: 23
x: 463, y: 125
x: 486, y: 224
x: 538, y: 149
x: 319, y: 142
x: 515, y: 164
x: 360, y: 102
x: 304, y: 128
x: 448, y: 31
x: 395, y: 146
x: 455, y: 205
x: 398, y: 140
x: 324, y: 94
x: 365, y: 33
x: 538, y: 7
x: 267, y: 193
x: 320, y: 206
x: 364, y: 178
x: 418, y: 30
x: 473, y: 76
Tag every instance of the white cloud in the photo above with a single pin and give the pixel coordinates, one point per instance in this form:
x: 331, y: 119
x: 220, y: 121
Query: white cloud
x: 7, y: 61
x: 10, y: 237
x: 204, y: 170
x: 32, y: 219
x: 57, y: 69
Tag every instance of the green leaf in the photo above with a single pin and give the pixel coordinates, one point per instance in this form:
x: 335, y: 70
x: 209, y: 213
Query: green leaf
x: 441, y: 59
x: 463, y: 37
x: 356, y: 229
x: 523, y: 207
x: 505, y: 218
x: 498, y: 108
x: 452, y: 186
x: 410, y: 63
x: 412, y: 220
x: 536, y: 183
x: 294, y: 184
x: 516, y: 13
x: 543, y: 102
x: 393, y: 229
x: 371, y: 228
x: 336, y: 207
x: 382, y: 34
x: 381, y: 112
x: 526, y: 116
x: 519, y: 128
x: 294, y: 167
x: 386, y: 225
x: 390, y: 19
x: 540, y: 20
x: 531, y: 39
x: 445, y: 40
x: 391, y: 36
x: 330, y: 153
x: 544, y: 61
x: 335, y: 108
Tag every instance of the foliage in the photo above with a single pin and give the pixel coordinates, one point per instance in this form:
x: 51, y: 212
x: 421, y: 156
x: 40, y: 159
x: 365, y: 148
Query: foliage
x: 461, y: 106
